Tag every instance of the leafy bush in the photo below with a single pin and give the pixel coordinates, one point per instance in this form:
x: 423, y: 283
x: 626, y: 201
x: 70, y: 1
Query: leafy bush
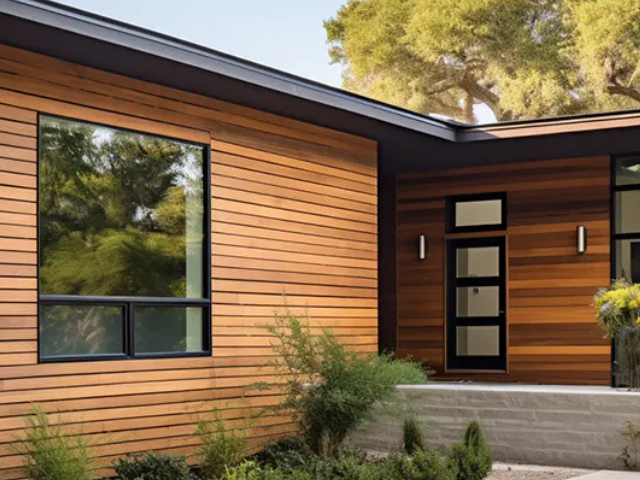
x: 631, y: 452
x: 153, y: 466
x: 221, y: 448
x: 412, y: 436
x: 617, y: 307
x: 330, y: 390
x: 431, y: 465
x: 348, y: 465
x: 473, y: 457
x: 245, y: 471
x: 51, y: 455
x: 286, y: 452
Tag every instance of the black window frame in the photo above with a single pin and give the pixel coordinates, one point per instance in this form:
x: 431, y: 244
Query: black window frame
x: 455, y: 362
x: 616, y: 237
x: 130, y: 302
x: 452, y: 204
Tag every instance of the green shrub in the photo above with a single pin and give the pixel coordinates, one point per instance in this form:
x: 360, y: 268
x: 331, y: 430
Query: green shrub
x: 473, y: 457
x: 412, y: 436
x: 286, y: 453
x: 153, y: 466
x: 49, y: 454
x: 349, y: 465
x: 329, y: 389
x: 244, y: 471
x: 221, y: 448
x: 430, y: 464
x: 397, y: 467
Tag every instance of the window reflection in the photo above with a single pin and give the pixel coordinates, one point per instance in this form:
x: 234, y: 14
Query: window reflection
x: 81, y: 330
x: 168, y: 329
x: 627, y: 170
x: 121, y: 213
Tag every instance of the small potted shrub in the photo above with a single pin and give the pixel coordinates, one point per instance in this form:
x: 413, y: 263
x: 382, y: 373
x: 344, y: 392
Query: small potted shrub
x: 618, y: 314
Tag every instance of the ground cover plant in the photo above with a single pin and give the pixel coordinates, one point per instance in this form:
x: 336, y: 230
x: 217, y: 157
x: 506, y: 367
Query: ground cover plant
x: 330, y: 391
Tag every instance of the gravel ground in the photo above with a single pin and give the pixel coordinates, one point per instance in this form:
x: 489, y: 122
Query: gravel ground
x: 523, y: 472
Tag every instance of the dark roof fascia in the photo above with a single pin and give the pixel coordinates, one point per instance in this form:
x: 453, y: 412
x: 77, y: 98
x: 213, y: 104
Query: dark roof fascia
x: 96, y: 27
x: 100, y: 28
x: 531, y: 128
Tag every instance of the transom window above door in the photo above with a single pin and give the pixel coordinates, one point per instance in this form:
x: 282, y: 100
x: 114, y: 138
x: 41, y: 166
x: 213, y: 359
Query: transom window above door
x: 476, y: 213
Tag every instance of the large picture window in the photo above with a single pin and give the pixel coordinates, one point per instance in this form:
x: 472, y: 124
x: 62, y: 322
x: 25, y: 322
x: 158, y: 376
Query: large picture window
x: 124, y: 258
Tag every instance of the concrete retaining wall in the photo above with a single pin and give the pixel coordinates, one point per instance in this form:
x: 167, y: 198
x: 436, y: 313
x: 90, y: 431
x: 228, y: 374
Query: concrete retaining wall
x: 546, y: 425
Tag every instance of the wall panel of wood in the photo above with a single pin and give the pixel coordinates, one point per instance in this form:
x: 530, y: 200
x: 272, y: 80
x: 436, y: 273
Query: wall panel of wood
x: 294, y: 221
x: 553, y: 336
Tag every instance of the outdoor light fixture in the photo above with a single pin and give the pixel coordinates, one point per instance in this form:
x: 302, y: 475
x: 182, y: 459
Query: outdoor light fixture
x: 582, y: 239
x: 422, y: 247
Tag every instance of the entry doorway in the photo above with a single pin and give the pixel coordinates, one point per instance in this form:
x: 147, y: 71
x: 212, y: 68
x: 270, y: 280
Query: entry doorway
x: 476, y: 304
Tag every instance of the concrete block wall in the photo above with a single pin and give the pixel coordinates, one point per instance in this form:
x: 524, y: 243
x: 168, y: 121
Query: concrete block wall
x: 545, y: 425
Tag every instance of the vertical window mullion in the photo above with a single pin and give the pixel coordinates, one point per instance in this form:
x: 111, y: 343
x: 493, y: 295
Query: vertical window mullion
x: 130, y: 330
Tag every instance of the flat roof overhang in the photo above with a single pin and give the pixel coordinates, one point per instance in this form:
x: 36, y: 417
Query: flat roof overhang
x: 75, y: 35
x: 117, y: 33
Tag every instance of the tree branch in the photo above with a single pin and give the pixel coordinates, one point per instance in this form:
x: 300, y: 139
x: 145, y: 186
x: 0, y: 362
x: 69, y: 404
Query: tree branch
x: 617, y: 89
x: 484, y: 95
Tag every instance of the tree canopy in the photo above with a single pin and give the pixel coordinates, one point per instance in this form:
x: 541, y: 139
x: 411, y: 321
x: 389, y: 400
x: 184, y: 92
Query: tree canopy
x: 523, y: 59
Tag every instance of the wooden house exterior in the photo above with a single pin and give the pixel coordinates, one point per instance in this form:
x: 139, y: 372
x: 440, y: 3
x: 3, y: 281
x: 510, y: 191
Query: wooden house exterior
x: 476, y: 250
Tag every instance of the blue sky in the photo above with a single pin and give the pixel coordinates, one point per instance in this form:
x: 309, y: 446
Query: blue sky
x: 284, y: 34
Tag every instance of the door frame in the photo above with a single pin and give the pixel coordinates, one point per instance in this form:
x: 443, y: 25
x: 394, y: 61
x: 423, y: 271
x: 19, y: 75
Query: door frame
x: 475, y: 364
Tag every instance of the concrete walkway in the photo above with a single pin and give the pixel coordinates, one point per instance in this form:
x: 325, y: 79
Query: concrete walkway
x: 609, y: 475
x: 515, y: 471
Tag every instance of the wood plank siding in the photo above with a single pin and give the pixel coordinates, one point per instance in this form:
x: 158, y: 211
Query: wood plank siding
x: 294, y: 212
x: 552, y: 333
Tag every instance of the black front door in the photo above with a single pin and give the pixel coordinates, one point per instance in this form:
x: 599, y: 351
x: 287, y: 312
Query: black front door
x: 476, y: 304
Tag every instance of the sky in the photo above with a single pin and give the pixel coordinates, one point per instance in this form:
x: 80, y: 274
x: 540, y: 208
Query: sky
x: 283, y: 34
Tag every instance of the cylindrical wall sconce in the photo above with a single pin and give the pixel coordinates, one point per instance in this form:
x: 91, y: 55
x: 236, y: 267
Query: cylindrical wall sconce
x: 422, y: 247
x: 582, y: 239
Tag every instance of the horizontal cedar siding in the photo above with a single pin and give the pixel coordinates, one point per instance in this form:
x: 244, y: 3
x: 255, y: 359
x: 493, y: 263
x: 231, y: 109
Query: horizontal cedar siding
x: 293, y: 220
x: 553, y: 335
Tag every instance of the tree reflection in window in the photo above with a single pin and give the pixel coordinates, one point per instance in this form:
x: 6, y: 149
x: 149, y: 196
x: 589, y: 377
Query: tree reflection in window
x: 121, y: 213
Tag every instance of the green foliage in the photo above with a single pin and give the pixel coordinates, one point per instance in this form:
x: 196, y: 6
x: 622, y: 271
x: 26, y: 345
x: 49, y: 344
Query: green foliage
x: 617, y: 307
x: 221, y: 448
x: 521, y: 58
x: 412, y: 436
x: 246, y: 471
x: 153, y: 466
x: 472, y: 458
x: 430, y: 464
x: 329, y: 389
x: 286, y: 453
x: 424, y: 465
x: 631, y: 452
x: 49, y: 454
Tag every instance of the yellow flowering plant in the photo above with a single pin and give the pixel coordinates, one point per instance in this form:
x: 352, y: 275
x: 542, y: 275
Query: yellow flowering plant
x: 617, y: 307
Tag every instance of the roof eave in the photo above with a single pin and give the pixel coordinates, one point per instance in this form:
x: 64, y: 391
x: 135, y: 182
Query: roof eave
x: 102, y: 29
